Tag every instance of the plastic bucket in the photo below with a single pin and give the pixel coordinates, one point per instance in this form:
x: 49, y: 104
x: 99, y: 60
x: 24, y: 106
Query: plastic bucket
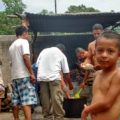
x: 74, y: 107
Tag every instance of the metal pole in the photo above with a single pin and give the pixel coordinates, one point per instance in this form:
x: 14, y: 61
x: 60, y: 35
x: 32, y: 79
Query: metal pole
x: 55, y: 6
x: 34, y: 38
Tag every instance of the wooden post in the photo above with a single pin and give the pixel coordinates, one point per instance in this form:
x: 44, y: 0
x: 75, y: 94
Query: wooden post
x: 24, y: 19
x: 25, y: 22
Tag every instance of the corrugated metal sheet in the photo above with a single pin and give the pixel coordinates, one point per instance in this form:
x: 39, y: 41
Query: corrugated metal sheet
x: 70, y: 22
x: 71, y: 42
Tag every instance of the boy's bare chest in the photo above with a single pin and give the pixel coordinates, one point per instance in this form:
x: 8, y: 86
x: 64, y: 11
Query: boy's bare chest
x: 92, y: 49
x: 103, y: 83
x: 104, y: 86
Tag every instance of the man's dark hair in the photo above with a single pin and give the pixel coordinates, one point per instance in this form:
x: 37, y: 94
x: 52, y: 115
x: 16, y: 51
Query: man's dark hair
x: 111, y: 35
x: 61, y: 47
x: 97, y: 26
x: 20, y: 30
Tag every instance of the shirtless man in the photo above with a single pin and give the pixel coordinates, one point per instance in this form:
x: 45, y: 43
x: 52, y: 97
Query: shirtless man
x: 106, y: 88
x: 97, y: 29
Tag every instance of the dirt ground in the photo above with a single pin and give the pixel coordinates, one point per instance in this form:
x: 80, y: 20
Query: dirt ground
x: 9, y: 116
x: 37, y: 115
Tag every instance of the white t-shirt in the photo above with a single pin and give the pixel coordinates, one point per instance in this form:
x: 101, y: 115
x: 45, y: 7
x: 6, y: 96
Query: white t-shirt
x: 50, y: 63
x: 19, y: 48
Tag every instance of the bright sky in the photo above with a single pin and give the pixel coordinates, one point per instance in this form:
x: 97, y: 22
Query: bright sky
x: 1, y: 6
x: 62, y: 5
x: 35, y: 6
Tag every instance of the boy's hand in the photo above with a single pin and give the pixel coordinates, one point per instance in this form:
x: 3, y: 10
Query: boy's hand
x: 97, y: 67
x: 32, y: 78
x: 82, y: 85
x: 84, y: 113
x: 71, y: 86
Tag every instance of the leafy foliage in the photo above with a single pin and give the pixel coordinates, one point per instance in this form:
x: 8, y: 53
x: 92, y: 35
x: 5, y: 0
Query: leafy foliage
x: 80, y: 8
x: 14, y: 6
x: 45, y: 12
x: 7, y: 25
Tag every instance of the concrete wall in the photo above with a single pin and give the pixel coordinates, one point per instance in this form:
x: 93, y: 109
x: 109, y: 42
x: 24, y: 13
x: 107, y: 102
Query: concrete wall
x: 5, y: 42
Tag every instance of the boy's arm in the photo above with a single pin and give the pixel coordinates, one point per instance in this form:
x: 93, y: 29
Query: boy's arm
x: 67, y: 78
x: 26, y: 58
x: 108, y: 100
x: 29, y: 67
x: 87, y: 60
x: 65, y: 71
x: 64, y: 88
x: 89, y: 56
x: 85, y: 79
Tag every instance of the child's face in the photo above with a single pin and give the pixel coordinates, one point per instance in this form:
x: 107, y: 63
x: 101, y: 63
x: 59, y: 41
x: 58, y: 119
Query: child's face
x: 26, y: 35
x: 107, y: 52
x: 96, y: 33
x: 80, y: 55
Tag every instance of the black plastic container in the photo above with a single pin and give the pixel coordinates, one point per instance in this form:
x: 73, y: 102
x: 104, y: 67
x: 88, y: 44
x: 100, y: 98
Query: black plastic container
x: 74, y: 107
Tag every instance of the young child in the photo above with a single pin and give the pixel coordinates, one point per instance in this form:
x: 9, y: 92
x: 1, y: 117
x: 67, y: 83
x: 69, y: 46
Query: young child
x: 106, y: 88
x: 81, y: 55
x: 78, y: 72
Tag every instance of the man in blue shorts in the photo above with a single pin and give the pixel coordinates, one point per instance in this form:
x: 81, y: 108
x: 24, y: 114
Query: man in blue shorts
x: 22, y: 74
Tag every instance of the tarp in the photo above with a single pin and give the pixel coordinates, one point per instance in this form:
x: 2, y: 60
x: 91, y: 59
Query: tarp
x: 71, y: 42
x: 70, y: 22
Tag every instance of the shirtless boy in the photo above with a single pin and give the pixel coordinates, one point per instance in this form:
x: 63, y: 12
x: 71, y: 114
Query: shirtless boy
x: 106, y: 88
x: 97, y: 29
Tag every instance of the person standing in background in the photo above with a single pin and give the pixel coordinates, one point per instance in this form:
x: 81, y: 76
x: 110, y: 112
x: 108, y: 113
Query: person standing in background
x: 22, y: 74
x: 51, y: 63
x: 97, y: 30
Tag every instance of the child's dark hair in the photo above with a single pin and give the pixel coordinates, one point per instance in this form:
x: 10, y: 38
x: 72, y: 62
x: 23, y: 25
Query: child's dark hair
x: 111, y: 35
x: 20, y: 30
x: 97, y: 26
